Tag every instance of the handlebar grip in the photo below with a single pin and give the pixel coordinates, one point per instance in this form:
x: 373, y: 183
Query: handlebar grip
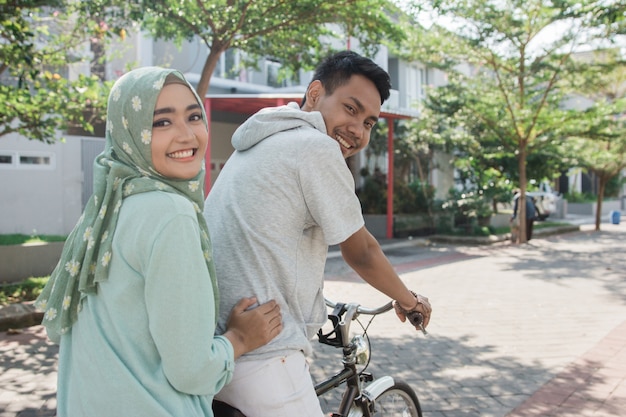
x: 415, y: 318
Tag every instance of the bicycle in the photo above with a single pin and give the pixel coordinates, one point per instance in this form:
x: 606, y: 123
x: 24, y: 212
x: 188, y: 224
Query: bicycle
x: 364, y: 396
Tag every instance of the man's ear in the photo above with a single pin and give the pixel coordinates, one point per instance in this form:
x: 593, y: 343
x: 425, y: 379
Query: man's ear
x: 313, y: 94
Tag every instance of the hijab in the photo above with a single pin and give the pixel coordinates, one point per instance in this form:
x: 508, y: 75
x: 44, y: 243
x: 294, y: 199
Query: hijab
x: 123, y: 169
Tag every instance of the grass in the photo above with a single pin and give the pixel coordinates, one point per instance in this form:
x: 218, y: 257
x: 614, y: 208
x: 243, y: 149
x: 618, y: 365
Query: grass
x: 26, y: 290
x: 19, y: 239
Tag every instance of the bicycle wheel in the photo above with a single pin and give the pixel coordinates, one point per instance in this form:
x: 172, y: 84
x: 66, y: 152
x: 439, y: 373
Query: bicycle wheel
x: 397, y: 401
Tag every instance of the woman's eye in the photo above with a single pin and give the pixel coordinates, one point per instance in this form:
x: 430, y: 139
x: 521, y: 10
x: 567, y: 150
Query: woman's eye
x: 195, y: 117
x: 160, y: 123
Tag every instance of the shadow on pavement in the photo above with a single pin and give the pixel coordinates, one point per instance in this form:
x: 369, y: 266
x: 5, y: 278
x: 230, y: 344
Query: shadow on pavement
x: 448, y: 385
x: 438, y: 370
x: 23, y: 355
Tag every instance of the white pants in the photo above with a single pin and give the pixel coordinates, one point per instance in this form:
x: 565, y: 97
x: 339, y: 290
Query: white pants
x: 275, y: 387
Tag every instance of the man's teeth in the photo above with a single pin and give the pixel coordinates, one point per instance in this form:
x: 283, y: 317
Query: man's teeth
x: 181, y: 154
x: 343, y: 142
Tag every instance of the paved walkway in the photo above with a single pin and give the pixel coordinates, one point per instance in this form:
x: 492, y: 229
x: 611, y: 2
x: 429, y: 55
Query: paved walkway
x: 524, y: 330
x: 528, y: 330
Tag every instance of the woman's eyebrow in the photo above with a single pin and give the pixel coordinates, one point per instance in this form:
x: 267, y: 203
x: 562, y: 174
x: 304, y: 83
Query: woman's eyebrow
x: 164, y: 110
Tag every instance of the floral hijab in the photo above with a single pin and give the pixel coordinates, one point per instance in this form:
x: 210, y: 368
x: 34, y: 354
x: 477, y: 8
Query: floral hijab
x: 124, y: 168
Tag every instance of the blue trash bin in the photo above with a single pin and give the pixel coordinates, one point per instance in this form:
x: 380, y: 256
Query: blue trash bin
x: 615, y: 215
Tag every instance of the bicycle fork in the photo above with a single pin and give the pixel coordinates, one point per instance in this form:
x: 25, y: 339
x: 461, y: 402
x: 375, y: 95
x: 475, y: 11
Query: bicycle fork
x: 364, y: 398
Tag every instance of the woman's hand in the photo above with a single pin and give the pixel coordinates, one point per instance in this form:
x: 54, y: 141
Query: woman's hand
x: 249, y: 328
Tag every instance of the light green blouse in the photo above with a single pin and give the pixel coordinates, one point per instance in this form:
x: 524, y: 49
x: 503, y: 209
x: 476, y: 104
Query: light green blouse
x: 144, y: 345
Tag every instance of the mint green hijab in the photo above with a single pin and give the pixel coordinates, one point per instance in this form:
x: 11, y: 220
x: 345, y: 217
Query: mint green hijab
x: 124, y: 168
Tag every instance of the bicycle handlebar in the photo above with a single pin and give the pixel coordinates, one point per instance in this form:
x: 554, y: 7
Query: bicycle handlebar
x: 364, y: 310
x: 415, y: 318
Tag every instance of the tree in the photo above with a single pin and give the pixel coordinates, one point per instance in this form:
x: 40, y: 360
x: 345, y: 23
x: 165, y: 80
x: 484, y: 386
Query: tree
x: 599, y: 138
x: 296, y: 34
x: 512, y: 65
x: 36, y: 98
x: 483, y: 165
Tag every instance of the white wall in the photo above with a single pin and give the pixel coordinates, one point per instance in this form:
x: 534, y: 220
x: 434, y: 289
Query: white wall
x: 42, y: 199
x: 221, y: 148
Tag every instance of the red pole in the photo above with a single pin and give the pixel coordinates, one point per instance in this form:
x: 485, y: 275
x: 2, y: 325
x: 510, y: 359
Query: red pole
x: 207, y: 156
x: 389, y: 178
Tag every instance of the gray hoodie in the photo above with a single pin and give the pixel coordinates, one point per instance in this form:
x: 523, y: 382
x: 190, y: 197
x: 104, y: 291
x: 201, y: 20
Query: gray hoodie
x: 284, y: 195
x: 272, y: 120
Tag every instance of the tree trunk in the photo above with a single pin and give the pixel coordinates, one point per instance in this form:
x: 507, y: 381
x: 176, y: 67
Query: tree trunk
x: 521, y: 202
x: 207, y: 71
x: 603, y: 180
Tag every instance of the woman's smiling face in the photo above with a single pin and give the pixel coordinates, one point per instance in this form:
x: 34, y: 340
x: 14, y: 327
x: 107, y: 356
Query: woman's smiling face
x: 179, y: 134
x: 350, y: 112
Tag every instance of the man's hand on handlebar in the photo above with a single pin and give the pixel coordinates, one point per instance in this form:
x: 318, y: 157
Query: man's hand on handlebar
x: 419, y: 315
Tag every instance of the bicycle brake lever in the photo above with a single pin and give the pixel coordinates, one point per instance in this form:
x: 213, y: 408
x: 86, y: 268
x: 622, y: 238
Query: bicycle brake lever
x: 417, y: 319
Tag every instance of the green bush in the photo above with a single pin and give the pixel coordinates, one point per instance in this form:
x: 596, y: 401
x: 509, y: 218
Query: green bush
x: 576, y: 197
x: 373, y: 196
x: 468, y: 209
x: 27, y: 290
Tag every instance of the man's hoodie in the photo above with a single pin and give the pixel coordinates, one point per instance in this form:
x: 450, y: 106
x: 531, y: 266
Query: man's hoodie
x: 272, y: 120
x: 280, y: 200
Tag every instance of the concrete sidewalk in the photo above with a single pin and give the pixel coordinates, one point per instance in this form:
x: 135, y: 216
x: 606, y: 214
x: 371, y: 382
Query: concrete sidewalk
x: 518, y: 330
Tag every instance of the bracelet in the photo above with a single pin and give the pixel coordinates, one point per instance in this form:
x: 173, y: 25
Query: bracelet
x: 418, y: 302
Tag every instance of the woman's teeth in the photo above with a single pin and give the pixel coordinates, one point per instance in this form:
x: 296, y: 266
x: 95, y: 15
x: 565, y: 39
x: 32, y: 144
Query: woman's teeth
x: 181, y: 154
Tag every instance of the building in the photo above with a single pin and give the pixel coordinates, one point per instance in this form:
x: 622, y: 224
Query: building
x: 45, y: 187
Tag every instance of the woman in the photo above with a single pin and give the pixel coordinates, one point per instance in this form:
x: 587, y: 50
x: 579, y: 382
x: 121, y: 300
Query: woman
x: 133, y: 300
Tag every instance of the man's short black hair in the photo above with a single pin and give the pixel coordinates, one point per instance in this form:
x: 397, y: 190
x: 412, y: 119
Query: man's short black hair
x: 336, y: 70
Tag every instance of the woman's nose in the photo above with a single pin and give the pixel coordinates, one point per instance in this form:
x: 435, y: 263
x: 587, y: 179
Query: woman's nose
x: 186, y: 133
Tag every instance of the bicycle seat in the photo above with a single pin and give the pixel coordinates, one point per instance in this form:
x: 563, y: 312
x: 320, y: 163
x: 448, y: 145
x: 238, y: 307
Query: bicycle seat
x: 221, y: 409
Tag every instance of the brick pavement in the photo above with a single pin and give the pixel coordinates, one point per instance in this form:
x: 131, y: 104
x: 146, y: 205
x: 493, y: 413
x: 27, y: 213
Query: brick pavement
x: 508, y: 320
x: 592, y: 385
x: 530, y: 330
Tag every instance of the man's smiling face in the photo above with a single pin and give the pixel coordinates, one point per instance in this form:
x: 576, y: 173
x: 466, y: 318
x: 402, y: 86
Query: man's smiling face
x: 350, y: 112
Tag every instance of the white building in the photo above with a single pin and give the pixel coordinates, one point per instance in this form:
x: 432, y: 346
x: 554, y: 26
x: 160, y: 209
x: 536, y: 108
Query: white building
x: 46, y: 186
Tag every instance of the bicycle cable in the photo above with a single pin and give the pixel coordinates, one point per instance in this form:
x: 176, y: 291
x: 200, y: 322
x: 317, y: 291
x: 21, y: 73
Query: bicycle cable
x: 367, y: 337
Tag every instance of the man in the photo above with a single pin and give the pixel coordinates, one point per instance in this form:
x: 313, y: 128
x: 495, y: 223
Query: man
x: 531, y: 212
x: 283, y: 197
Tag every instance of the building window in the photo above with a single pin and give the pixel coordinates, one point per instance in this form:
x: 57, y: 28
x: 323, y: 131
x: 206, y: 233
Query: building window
x: 6, y: 160
x: 34, y: 160
x: 276, y: 79
x: 27, y: 160
x: 416, y: 81
x: 273, y: 69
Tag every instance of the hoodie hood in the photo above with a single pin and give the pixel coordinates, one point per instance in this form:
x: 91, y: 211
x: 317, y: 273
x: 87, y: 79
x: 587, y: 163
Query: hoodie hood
x: 272, y: 120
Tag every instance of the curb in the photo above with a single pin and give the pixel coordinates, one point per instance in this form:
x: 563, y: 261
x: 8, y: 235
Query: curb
x: 19, y: 315
x: 488, y: 240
